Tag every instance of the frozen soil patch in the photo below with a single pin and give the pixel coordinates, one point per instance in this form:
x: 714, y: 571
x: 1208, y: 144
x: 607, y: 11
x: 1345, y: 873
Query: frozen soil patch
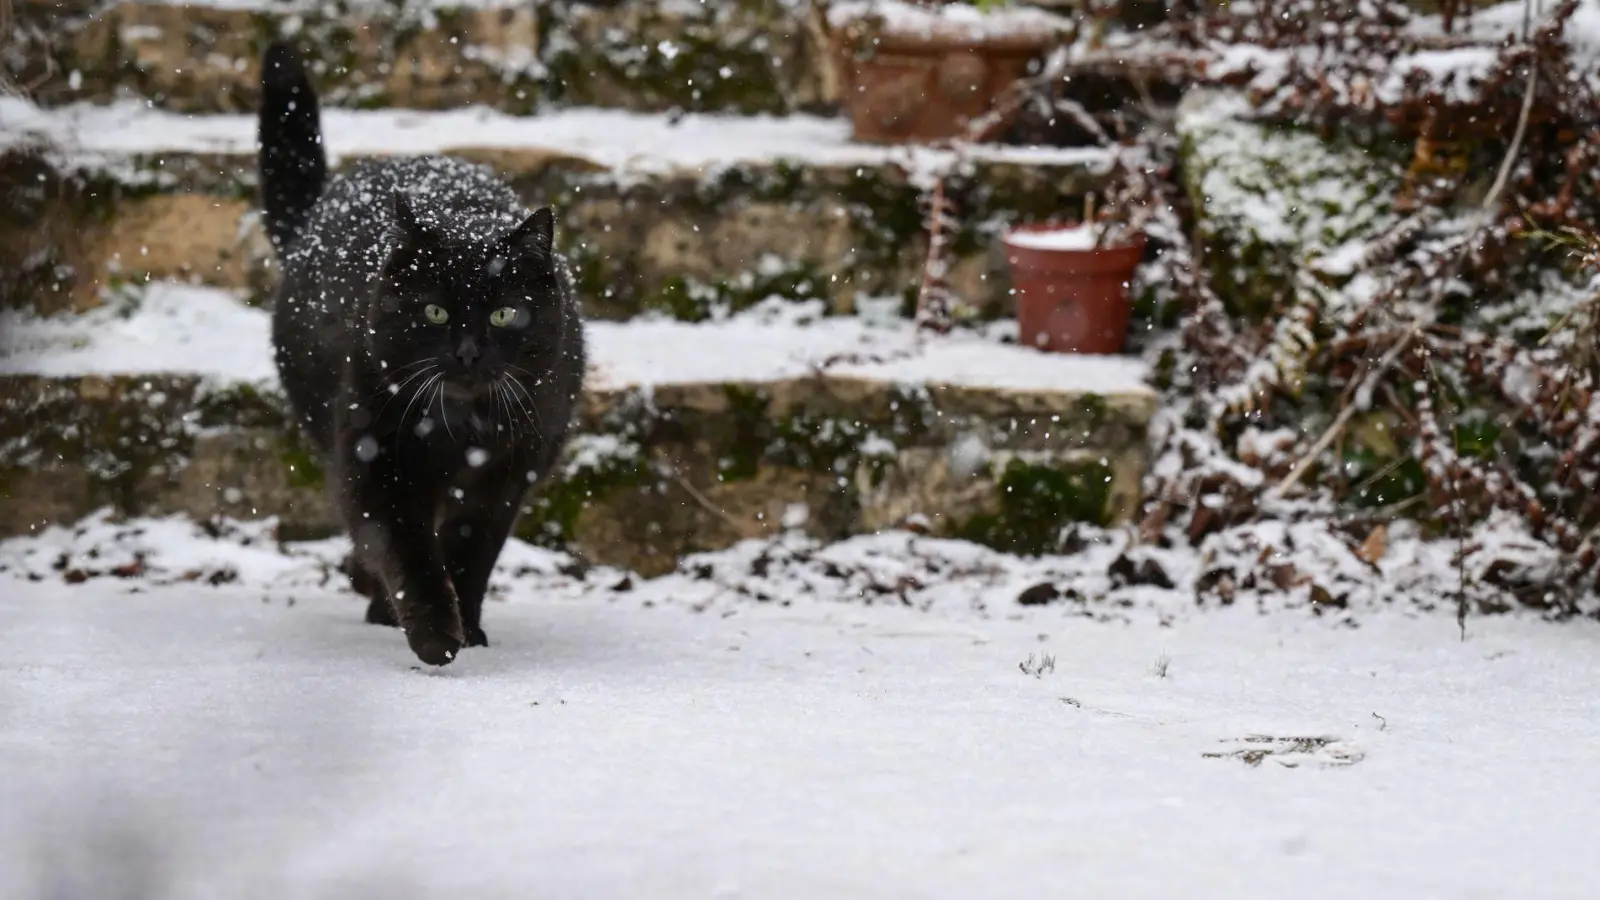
x: 1291, y: 752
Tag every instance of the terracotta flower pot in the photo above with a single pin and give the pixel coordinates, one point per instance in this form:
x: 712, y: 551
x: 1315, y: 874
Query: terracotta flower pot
x: 927, y: 81
x: 1070, y: 297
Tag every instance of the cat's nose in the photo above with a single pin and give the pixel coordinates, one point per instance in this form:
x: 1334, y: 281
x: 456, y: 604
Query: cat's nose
x: 467, y: 353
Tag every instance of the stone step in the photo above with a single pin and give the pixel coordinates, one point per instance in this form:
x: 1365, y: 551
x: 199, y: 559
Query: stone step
x: 751, y: 56
x: 685, y: 215
x: 735, y: 56
x: 691, y: 437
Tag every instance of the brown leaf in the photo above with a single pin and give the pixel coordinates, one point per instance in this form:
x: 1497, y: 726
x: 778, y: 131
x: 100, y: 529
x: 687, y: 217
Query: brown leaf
x: 1039, y: 595
x: 1376, y: 546
x: 1201, y: 524
x: 1218, y: 583
x: 1322, y: 597
x: 1151, y: 527
x: 1286, y: 576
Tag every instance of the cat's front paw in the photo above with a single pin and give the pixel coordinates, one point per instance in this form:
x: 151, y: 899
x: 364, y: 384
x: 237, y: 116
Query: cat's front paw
x: 436, y: 639
x: 433, y: 646
x: 476, y: 637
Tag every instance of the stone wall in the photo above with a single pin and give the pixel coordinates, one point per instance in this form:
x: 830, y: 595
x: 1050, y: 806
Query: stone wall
x: 745, y: 56
x: 653, y: 474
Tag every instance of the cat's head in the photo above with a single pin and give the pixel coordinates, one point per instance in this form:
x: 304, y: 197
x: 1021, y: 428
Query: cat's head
x: 479, y: 311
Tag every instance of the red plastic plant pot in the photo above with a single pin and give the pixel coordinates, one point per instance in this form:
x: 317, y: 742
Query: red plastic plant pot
x: 1071, y: 297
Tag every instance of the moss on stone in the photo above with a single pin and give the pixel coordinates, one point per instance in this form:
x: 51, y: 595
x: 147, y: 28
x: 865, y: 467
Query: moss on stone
x: 747, y: 433
x: 680, y: 299
x: 240, y: 405
x: 817, y: 443
x: 825, y: 441
x: 692, y: 300
x: 1036, y: 501
x: 1272, y: 199
x: 555, y: 506
x: 301, y: 465
x: 691, y: 78
x: 1094, y: 410
x: 780, y: 182
x: 124, y: 433
x: 885, y: 214
x: 601, y: 285
x: 713, y: 58
x: 149, y: 445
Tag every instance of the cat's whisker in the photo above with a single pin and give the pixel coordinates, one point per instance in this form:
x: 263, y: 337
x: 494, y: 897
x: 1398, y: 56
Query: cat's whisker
x: 394, y: 390
x: 534, y: 419
x: 513, y: 405
x: 414, y: 395
x: 503, y: 396
x: 495, y: 403
x: 444, y: 412
x: 537, y: 379
x: 425, y: 359
x: 494, y: 413
x: 389, y: 385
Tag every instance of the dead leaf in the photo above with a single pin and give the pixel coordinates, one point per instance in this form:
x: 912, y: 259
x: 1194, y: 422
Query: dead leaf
x: 1218, y: 583
x: 1152, y: 526
x: 1286, y: 577
x: 1376, y: 546
x: 1039, y: 595
x: 1323, y: 598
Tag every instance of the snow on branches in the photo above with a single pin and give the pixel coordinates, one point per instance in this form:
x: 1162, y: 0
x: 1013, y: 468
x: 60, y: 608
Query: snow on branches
x: 1423, y: 368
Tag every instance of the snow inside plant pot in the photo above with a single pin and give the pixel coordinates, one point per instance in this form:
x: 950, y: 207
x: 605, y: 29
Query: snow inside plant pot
x: 918, y: 72
x: 1071, y: 284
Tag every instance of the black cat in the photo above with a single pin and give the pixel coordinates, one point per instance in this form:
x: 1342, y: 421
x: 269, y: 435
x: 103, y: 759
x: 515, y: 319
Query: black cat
x: 430, y: 342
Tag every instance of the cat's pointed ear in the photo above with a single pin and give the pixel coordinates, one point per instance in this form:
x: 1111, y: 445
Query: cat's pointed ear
x: 406, y: 224
x: 536, y: 235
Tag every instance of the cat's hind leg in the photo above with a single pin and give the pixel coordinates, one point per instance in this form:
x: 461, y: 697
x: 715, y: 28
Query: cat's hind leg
x: 381, y: 612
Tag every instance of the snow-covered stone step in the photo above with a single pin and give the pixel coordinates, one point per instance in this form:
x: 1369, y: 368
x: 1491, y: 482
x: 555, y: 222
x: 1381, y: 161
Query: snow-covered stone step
x: 691, y: 436
x: 682, y: 214
x: 650, y: 55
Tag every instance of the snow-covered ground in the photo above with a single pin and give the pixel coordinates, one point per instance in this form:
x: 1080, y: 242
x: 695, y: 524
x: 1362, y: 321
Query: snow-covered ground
x: 211, y: 720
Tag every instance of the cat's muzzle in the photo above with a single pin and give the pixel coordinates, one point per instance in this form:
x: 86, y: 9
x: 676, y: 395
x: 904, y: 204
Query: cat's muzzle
x: 464, y: 390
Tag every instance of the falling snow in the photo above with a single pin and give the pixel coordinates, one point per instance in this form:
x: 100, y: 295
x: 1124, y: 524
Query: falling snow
x: 1278, y: 706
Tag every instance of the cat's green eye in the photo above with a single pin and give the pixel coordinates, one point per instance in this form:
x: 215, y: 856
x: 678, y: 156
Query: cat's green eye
x: 436, y: 314
x: 503, y: 317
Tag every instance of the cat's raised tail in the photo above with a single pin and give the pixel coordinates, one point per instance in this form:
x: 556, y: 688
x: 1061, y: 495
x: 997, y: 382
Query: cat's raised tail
x: 292, y: 163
